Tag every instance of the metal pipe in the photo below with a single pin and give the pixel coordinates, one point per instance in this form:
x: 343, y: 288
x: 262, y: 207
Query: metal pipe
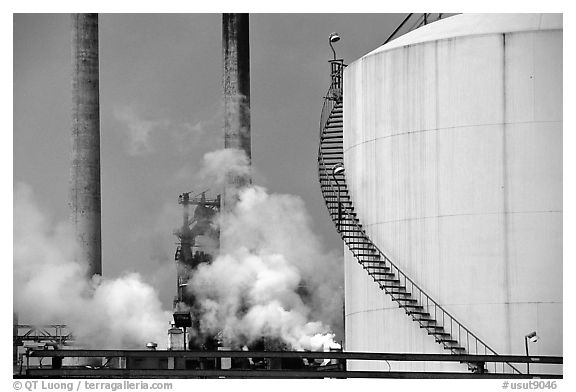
x: 85, y: 171
x: 527, y: 355
x: 397, y: 29
x: 236, y: 84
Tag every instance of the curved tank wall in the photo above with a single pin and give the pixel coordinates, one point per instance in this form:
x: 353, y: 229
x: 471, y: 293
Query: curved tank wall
x: 453, y: 156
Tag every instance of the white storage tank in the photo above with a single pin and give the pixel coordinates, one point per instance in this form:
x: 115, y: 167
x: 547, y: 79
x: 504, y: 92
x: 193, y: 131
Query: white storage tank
x: 453, y: 157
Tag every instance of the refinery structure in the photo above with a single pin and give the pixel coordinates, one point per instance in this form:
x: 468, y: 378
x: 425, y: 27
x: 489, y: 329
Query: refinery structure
x: 440, y: 162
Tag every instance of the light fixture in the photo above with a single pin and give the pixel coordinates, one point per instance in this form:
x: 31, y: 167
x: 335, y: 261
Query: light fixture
x: 337, y: 169
x: 334, y: 37
x: 182, y: 319
x: 533, y: 338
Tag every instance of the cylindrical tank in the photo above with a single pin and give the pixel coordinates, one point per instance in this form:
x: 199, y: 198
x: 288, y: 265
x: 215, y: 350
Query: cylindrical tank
x: 453, y: 157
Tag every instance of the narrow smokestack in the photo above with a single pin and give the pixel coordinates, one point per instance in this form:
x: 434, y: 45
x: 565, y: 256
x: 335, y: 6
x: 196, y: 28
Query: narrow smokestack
x: 85, y: 171
x: 236, y: 83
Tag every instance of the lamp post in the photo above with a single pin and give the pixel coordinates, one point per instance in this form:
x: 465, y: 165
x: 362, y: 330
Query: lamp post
x: 183, y: 319
x: 334, y: 37
x: 533, y: 338
x: 337, y: 169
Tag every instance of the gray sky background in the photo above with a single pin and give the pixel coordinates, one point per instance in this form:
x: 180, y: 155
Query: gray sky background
x: 160, y: 97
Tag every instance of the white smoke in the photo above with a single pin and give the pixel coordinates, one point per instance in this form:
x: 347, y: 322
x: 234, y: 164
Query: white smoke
x: 144, y: 135
x: 272, y: 277
x: 49, y: 287
x: 138, y: 130
x: 221, y: 163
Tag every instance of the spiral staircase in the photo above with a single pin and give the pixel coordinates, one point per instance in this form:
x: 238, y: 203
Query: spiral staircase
x: 432, y: 318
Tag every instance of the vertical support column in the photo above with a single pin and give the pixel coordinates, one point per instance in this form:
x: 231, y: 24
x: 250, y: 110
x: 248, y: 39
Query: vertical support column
x: 236, y: 84
x: 85, y: 171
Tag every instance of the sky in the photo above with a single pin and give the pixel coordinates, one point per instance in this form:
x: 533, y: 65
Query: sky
x: 161, y: 111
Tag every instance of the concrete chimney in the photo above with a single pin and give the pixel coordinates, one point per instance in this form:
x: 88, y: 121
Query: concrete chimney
x: 85, y: 171
x: 236, y: 83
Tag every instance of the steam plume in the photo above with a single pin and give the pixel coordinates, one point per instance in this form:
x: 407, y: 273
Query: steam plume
x: 49, y: 287
x: 272, y: 278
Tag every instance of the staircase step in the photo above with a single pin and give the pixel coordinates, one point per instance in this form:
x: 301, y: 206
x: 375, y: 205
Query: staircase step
x: 380, y: 270
x: 370, y: 251
x: 410, y: 306
x: 343, y: 213
x: 344, y: 197
x: 380, y: 273
x: 424, y: 320
x: 422, y: 313
x: 397, y: 292
x: 436, y: 327
x: 386, y: 280
x: 439, y: 333
x: 446, y: 340
x: 370, y: 248
x: 375, y: 264
x: 390, y: 286
x: 405, y: 300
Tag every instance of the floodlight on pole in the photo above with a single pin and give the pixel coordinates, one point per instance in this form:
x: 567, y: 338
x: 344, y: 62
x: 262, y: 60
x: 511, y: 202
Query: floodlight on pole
x: 334, y: 37
x: 183, y: 319
x: 533, y: 338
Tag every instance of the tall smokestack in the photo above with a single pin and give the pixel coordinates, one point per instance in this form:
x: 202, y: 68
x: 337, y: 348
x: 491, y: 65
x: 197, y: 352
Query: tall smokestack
x: 236, y: 82
x: 85, y: 171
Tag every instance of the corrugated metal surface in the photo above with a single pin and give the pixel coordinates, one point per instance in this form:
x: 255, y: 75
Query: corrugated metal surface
x: 453, y: 155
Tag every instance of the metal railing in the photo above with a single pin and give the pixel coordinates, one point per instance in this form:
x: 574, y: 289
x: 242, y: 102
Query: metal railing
x: 337, y: 367
x: 442, y: 322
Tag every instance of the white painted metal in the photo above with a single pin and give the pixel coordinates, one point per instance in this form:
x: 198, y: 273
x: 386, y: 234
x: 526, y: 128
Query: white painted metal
x: 453, y: 156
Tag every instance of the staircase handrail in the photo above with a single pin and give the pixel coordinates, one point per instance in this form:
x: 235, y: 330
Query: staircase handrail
x: 328, y: 106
